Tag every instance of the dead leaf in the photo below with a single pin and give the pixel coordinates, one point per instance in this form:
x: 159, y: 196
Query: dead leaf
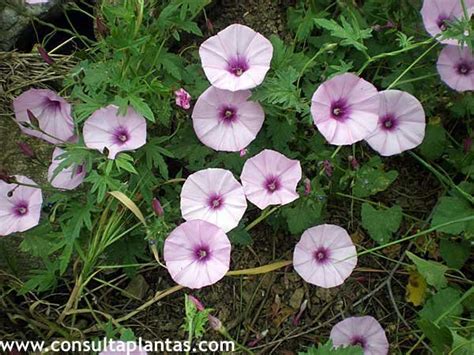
x: 416, y: 288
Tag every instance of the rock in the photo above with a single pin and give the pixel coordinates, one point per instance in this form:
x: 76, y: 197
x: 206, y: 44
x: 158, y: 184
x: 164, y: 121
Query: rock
x: 15, y: 19
x: 137, y: 288
x: 297, y: 298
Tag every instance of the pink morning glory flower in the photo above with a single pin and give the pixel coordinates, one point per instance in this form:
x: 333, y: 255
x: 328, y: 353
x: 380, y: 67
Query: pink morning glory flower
x: 197, y: 254
x: 237, y: 58
x: 438, y: 14
x: 225, y: 120
x: 20, y: 206
x: 106, y: 128
x: 52, y: 113
x: 364, y: 331
x: 345, y: 109
x: 215, y: 196
x: 325, y: 255
x: 270, y: 178
x: 68, y: 178
x: 119, y: 347
x: 456, y: 67
x: 401, y: 123
x: 183, y: 99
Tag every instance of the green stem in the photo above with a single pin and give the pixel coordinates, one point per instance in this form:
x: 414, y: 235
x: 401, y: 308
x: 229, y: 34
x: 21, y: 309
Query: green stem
x: 265, y: 213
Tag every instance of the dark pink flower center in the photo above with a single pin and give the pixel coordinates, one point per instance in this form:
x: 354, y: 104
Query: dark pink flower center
x: 321, y: 255
x: 464, y: 68
x: 442, y: 23
x: 388, y: 122
x: 20, y: 209
x: 272, y: 184
x: 202, y: 253
x: 340, y: 110
x: 359, y: 340
x: 215, y: 201
x: 121, y: 135
x: 228, y: 114
x: 238, y: 65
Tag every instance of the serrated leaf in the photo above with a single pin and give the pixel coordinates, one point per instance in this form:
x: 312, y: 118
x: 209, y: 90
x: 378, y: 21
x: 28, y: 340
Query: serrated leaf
x: 328, y: 349
x: 381, y: 223
x: 142, y: 107
x: 432, y: 271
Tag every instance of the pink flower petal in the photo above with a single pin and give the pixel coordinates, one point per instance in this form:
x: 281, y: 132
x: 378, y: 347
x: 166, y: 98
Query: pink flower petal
x: 438, y: 13
x: 20, y: 206
x: 67, y: 179
x: 215, y: 196
x: 107, y: 129
x: 325, y: 256
x: 237, y: 58
x: 197, y: 254
x: 225, y: 120
x: 364, y: 331
x: 52, y: 112
x: 401, y: 123
x: 456, y: 67
x: 270, y: 178
x: 345, y: 109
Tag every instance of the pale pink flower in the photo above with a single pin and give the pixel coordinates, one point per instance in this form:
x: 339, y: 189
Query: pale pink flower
x: 215, y: 196
x: 325, y: 255
x: 106, y: 128
x: 364, y: 331
x: 345, y: 109
x: 270, y: 178
x: 237, y: 58
x: 401, y: 123
x: 456, y: 67
x: 68, y: 178
x: 52, y: 112
x: 227, y: 121
x: 183, y: 99
x: 119, y: 347
x: 197, y: 254
x: 32, y: 2
x: 20, y: 206
x: 438, y: 14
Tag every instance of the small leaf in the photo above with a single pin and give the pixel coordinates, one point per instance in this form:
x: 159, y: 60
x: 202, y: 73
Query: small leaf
x: 416, y: 288
x: 435, y: 141
x: 142, y: 108
x: 432, y: 271
x: 455, y: 253
x: 381, y: 223
x: 240, y: 236
x: 439, y: 308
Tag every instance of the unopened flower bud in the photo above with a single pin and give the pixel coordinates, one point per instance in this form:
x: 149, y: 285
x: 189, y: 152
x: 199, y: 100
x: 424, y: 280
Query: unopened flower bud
x: 354, y: 163
x: 243, y: 152
x: 327, y: 166
x: 307, y: 186
x: 157, y: 208
x: 210, y: 26
x: 197, y: 303
x: 183, y: 99
x: 26, y: 149
x: 45, y: 56
x: 467, y: 144
x: 216, y: 324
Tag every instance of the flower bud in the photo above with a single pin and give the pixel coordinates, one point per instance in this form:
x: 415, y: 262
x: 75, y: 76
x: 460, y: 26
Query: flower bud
x: 327, y: 166
x: 307, y: 186
x: 45, y: 56
x: 354, y: 163
x: 26, y: 149
x: 467, y: 145
x: 157, y: 208
x: 216, y: 324
x: 197, y: 303
x: 183, y: 99
x: 243, y: 152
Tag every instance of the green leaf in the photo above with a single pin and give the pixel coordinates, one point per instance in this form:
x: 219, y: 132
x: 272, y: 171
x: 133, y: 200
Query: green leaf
x: 440, y: 337
x: 449, y: 209
x: 328, y: 349
x: 142, y: 107
x: 195, y: 321
x: 371, y: 178
x: 240, y: 236
x: 281, y: 90
x: 281, y: 133
x: 122, y: 161
x: 350, y: 33
x: 434, y: 142
x: 442, y: 306
x: 455, y: 253
x: 461, y: 345
x: 381, y: 223
x: 304, y: 213
x: 432, y: 271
